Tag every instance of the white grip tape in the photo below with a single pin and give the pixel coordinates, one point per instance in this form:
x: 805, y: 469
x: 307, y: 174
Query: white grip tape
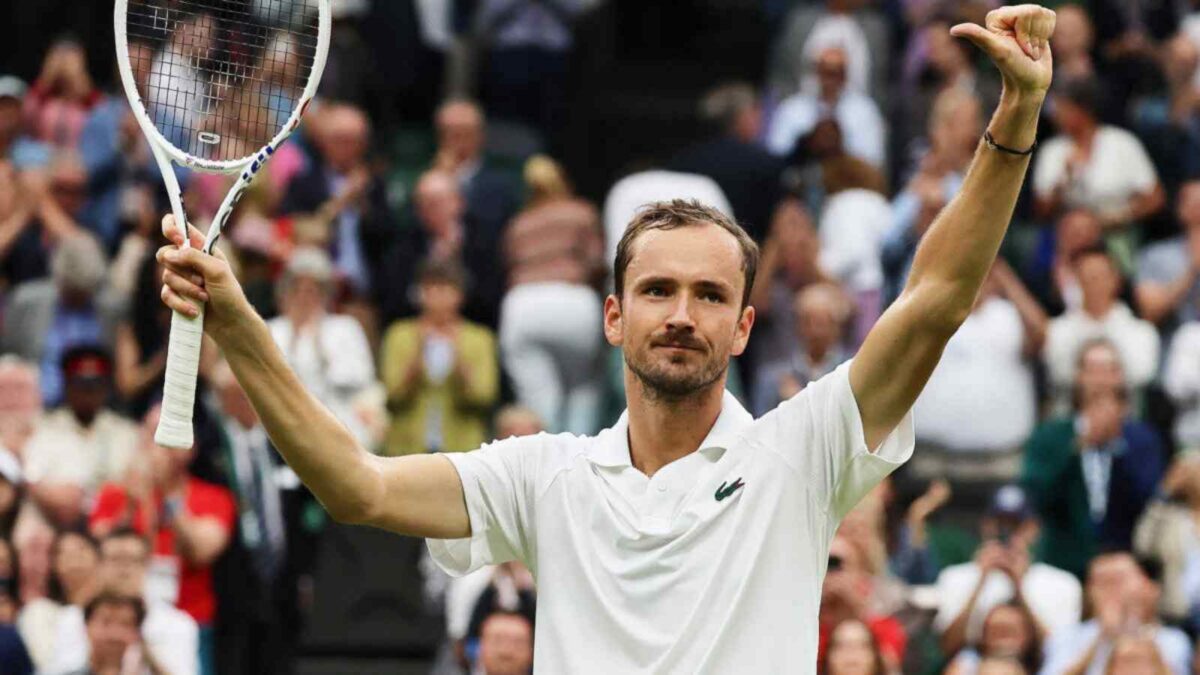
x: 179, y: 391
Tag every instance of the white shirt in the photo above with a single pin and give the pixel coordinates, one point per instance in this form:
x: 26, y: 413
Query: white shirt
x: 1068, y: 645
x: 1136, y: 341
x: 851, y: 229
x: 1054, y: 596
x: 334, y: 362
x: 983, y: 377
x: 637, y: 190
x: 1181, y: 379
x: 713, y: 565
x: 862, y: 126
x: 1118, y: 169
x: 169, y: 633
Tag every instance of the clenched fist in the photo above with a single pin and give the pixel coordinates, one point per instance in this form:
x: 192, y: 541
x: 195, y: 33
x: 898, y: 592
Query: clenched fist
x: 1017, y: 39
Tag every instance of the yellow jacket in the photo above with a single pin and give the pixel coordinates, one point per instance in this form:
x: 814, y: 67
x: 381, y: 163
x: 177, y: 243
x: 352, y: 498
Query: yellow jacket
x: 458, y: 408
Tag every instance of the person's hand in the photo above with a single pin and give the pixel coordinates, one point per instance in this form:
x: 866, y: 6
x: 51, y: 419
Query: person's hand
x: 191, y: 278
x: 991, y: 555
x: 51, y: 67
x: 934, y: 498
x: 1017, y: 39
x: 1110, y: 614
x: 355, y: 187
x: 1180, y: 474
x: 75, y: 82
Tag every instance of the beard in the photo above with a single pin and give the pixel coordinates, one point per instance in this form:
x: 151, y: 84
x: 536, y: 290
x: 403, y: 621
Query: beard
x: 662, y: 382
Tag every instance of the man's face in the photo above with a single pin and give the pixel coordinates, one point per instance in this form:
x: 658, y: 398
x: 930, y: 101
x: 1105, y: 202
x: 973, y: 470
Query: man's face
x: 68, y: 185
x: 1099, y: 281
x: 818, y: 324
x: 831, y: 72
x: 1113, y: 578
x: 1077, y: 230
x: 86, y: 397
x: 506, y: 646
x: 680, y: 318
x: 123, y: 565
x: 1006, y: 632
x: 460, y: 131
x: 111, y: 630
x: 1099, y: 372
x: 1072, y: 32
x: 345, y: 135
x: 439, y: 203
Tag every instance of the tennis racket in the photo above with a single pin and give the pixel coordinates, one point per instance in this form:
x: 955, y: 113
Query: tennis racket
x: 216, y: 86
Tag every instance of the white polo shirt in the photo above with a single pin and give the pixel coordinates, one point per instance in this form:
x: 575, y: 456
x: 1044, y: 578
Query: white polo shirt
x: 713, y: 565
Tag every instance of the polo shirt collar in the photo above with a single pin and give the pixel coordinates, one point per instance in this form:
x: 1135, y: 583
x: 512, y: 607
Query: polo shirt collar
x: 612, y: 447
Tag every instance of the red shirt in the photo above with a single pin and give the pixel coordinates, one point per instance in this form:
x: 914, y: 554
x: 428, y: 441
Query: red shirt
x: 201, y: 499
x: 888, y: 632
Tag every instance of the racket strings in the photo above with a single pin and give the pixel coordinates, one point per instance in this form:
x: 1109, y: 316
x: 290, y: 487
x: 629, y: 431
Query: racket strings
x: 221, y: 77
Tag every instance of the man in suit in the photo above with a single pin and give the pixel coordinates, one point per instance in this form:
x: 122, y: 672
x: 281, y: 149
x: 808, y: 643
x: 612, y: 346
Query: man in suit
x: 491, y: 197
x: 748, y: 174
x: 264, y: 582
x: 340, y: 190
x: 1091, y: 473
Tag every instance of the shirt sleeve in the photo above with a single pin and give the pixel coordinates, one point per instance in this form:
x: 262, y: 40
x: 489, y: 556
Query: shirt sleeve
x: 1136, y: 164
x: 819, y: 433
x: 498, y: 486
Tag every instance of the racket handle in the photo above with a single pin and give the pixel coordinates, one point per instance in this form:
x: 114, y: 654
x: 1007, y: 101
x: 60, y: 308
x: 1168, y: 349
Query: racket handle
x: 179, y: 391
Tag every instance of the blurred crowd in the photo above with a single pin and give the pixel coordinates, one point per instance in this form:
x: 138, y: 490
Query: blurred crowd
x: 438, y: 284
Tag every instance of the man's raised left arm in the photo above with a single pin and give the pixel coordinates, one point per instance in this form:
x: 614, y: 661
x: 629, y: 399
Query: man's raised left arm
x: 956, y: 253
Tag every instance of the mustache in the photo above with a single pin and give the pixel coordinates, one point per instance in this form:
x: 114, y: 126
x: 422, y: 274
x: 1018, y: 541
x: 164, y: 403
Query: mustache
x: 679, y: 339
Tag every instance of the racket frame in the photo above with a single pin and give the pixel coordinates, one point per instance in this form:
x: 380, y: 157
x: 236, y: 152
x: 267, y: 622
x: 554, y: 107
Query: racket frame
x: 174, y: 428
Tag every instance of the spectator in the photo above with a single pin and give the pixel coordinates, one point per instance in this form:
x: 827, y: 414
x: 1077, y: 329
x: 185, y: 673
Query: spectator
x: 852, y: 25
x: 505, y: 645
x: 39, y: 216
x: 822, y: 311
x: 328, y: 351
x: 911, y: 557
x: 985, y: 375
x: 1167, y: 531
x: 74, y: 563
x: 1101, y: 314
x: 48, y: 318
x: 62, y: 96
x: 1168, y: 121
x: 1181, y: 379
x: 15, y: 145
x: 856, y: 114
x: 1002, y: 572
x: 188, y: 521
x: 1091, y: 473
x: 447, y: 234
x: 113, y: 629
x: 551, y: 337
x: 14, y: 658
x: 632, y: 192
x: 1095, y: 166
x: 790, y: 262
x: 1123, y: 598
x: 954, y: 130
x: 75, y: 450
x: 140, y: 354
x: 1073, y: 40
x: 341, y: 190
x: 168, y: 637
x: 1168, y: 281
x: 733, y: 157
x: 852, y: 223
x: 490, y: 198
x: 1009, y: 632
x: 268, y: 572
x: 847, y: 594
x: 20, y: 405
x: 439, y: 369
x: 853, y: 650
x: 1052, y: 273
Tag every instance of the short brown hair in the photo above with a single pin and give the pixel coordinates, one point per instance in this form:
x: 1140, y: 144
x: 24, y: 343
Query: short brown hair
x: 108, y: 598
x: 683, y: 213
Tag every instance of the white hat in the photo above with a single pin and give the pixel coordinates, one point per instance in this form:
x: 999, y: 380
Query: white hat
x: 12, y: 87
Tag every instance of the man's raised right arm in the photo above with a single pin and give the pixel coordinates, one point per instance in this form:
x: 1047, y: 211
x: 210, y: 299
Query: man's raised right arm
x: 417, y: 495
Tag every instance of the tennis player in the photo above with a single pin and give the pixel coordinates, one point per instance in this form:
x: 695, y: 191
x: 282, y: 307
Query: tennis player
x: 689, y: 537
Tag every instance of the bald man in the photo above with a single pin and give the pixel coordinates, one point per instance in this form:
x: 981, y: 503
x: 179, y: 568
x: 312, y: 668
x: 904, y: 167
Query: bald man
x: 340, y: 190
x: 491, y: 197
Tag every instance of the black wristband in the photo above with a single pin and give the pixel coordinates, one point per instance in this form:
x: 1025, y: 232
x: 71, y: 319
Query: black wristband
x: 991, y: 143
